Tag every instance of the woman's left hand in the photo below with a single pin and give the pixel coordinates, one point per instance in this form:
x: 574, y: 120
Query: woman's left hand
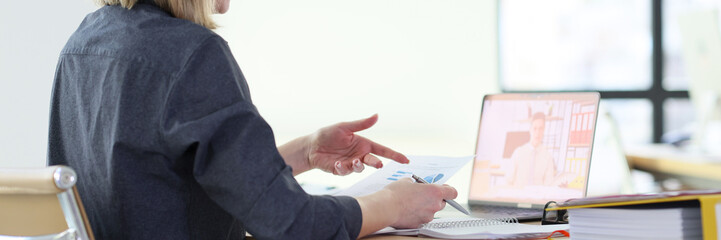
x: 338, y: 150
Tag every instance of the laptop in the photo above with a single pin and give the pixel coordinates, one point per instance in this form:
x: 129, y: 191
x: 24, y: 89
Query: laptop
x: 532, y: 148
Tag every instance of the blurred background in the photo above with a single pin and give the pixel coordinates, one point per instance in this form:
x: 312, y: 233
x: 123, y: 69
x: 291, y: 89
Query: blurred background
x: 422, y: 65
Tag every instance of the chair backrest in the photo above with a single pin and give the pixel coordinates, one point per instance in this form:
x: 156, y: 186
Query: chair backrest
x: 41, y: 203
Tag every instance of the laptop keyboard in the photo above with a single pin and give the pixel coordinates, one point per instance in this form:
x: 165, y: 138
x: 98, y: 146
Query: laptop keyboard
x: 502, y: 211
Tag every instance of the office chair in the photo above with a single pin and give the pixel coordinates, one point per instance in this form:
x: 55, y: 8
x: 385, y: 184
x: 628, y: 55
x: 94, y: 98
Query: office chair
x: 41, y: 203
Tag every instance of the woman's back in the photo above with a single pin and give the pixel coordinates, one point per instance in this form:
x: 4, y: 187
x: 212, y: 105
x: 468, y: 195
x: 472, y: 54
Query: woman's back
x: 115, y: 119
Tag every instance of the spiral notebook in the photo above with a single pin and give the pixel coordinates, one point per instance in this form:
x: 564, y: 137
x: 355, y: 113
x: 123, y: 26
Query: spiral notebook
x: 479, y: 228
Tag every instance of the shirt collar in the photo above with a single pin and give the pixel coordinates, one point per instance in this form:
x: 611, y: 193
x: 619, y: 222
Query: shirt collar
x: 152, y: 2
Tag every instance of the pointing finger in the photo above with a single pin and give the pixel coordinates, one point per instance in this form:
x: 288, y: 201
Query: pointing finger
x: 386, y: 152
x: 372, y: 161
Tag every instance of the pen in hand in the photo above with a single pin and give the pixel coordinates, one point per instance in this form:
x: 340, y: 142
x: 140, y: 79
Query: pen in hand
x: 454, y: 204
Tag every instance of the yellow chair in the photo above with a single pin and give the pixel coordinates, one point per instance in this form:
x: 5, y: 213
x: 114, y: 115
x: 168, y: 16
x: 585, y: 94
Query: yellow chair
x: 41, y: 203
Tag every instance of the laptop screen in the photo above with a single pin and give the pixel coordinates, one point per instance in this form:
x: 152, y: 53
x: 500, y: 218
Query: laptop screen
x: 534, y: 147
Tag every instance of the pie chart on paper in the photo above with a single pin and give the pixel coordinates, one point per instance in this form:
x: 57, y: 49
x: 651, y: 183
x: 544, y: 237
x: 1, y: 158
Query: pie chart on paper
x: 434, y: 178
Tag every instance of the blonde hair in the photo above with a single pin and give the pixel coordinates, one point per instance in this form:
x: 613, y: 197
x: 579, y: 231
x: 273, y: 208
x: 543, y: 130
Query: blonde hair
x: 197, y: 11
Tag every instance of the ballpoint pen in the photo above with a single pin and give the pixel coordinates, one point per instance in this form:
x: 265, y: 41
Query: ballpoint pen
x: 453, y: 204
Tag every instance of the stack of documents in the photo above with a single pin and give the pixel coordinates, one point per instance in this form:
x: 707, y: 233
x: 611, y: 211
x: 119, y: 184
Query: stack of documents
x: 667, y: 215
x: 636, y: 223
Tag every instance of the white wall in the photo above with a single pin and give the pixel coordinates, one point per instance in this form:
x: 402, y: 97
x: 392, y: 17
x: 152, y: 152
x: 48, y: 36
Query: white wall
x: 422, y: 65
x: 32, y: 33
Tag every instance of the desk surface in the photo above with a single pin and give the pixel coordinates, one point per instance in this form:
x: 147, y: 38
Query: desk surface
x: 671, y: 161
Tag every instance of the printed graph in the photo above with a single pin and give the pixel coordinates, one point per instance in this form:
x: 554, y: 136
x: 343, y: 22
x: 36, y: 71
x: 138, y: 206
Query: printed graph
x: 433, y: 178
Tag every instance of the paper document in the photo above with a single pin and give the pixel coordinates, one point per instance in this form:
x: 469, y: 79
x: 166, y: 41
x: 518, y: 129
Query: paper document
x: 433, y: 169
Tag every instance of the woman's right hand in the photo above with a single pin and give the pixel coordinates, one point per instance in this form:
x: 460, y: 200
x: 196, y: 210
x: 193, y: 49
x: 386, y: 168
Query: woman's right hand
x: 418, y: 203
x: 403, y: 204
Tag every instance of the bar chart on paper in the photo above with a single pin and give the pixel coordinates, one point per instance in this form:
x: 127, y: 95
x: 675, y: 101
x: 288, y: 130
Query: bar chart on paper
x: 433, y: 169
x: 433, y: 178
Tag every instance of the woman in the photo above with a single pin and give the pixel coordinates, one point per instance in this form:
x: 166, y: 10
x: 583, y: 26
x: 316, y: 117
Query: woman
x: 152, y: 111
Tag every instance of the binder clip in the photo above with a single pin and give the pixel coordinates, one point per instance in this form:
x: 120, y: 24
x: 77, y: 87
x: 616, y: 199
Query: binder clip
x: 554, y: 216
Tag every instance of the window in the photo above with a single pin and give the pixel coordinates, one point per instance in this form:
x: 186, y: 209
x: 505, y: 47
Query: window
x: 575, y: 45
x: 674, y: 74
x: 629, y: 50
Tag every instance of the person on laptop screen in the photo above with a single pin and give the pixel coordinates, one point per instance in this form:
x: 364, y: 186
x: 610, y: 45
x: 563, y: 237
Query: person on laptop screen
x: 532, y: 163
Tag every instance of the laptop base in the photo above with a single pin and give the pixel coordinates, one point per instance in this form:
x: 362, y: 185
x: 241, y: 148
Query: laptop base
x: 522, y: 214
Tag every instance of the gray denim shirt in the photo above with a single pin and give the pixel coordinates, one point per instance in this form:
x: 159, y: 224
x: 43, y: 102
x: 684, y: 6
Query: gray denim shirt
x: 155, y: 116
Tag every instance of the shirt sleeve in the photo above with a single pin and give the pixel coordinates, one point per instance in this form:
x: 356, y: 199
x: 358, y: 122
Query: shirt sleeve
x: 210, y: 116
